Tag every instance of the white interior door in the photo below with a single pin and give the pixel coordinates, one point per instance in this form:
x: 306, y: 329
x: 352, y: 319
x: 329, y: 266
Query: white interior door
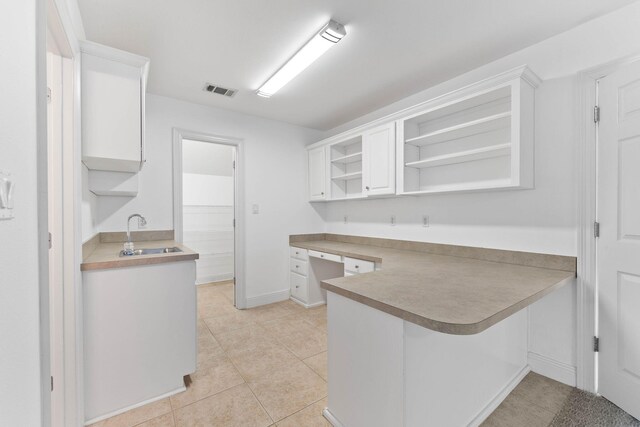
x: 379, y: 152
x: 317, y: 174
x: 619, y: 242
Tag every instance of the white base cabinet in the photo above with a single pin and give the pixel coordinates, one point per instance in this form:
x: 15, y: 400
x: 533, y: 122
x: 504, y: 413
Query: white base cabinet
x: 308, y: 268
x: 139, y: 335
x: 383, y: 371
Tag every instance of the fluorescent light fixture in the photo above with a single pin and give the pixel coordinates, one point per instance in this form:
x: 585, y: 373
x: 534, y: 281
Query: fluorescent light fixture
x: 328, y: 36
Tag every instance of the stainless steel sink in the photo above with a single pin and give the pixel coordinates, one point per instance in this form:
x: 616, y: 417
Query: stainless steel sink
x: 150, y: 251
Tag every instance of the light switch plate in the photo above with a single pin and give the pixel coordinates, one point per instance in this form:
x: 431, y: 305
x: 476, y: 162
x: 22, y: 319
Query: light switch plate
x: 6, y: 195
x: 255, y: 209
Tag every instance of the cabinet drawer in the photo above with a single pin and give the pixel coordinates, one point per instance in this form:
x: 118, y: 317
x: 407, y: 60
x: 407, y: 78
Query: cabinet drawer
x: 298, y: 266
x: 298, y: 285
x: 298, y: 253
x: 358, y: 266
x: 324, y: 255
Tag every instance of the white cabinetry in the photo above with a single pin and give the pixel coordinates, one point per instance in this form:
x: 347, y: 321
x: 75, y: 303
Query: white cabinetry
x: 318, y: 173
x: 307, y: 270
x: 379, y: 160
x: 356, y: 166
x: 113, y: 96
x: 357, y: 266
x: 479, y: 138
x: 345, y: 166
x: 139, y: 334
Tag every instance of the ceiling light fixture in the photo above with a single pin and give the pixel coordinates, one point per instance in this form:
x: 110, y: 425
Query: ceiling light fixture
x: 328, y: 36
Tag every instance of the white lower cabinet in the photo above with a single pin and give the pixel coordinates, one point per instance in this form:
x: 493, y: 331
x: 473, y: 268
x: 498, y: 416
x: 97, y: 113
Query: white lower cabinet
x: 298, y: 286
x: 357, y: 266
x: 139, y: 335
x: 307, y: 270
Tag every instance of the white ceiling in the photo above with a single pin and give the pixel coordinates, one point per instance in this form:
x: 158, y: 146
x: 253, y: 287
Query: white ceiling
x: 392, y: 48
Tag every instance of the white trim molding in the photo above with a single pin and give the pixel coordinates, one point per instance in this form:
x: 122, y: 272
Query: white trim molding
x: 239, y: 205
x: 553, y: 369
x: 269, y: 298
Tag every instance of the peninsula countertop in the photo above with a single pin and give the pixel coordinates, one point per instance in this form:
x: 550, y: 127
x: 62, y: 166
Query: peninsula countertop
x: 107, y: 255
x: 458, y: 294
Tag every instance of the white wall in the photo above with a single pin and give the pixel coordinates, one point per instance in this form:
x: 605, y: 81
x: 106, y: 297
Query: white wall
x: 539, y: 220
x: 20, y: 399
x: 207, y: 214
x: 275, y: 169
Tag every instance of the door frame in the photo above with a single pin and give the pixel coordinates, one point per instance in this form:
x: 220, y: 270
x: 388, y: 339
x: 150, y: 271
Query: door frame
x: 63, y: 20
x: 587, y: 189
x: 238, y: 200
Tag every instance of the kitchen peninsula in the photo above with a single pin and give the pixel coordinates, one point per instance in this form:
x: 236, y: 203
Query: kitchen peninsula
x: 437, y: 336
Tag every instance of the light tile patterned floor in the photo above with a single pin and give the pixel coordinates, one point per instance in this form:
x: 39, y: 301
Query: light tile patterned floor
x: 267, y: 366
x: 260, y: 367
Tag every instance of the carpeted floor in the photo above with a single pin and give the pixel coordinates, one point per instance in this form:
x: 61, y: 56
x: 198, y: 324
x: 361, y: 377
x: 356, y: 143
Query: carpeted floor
x: 583, y: 409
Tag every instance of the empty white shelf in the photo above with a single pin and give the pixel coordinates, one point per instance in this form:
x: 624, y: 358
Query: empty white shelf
x: 474, y: 127
x: 463, y: 156
x: 348, y: 176
x: 349, y: 158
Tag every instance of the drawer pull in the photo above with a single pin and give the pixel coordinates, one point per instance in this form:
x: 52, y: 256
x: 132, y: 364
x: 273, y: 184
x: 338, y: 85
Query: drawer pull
x: 321, y: 256
x: 297, y: 266
x: 297, y: 286
x: 357, y: 266
x: 297, y: 253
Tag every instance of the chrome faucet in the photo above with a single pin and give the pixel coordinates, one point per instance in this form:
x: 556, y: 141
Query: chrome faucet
x: 142, y: 221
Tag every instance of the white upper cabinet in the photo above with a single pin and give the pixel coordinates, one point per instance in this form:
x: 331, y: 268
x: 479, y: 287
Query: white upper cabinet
x: 345, y: 169
x: 379, y: 160
x: 357, y: 166
x: 478, y: 138
x: 113, y: 94
x: 317, y: 174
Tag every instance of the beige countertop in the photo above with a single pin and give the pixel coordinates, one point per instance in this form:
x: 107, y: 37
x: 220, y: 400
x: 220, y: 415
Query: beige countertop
x: 105, y: 255
x: 452, y: 294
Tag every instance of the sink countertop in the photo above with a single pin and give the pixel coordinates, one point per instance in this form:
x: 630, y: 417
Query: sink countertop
x: 107, y: 255
x: 451, y: 294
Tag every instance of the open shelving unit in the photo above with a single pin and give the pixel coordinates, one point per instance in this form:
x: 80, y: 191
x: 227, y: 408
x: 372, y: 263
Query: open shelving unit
x: 479, y: 141
x: 346, y: 169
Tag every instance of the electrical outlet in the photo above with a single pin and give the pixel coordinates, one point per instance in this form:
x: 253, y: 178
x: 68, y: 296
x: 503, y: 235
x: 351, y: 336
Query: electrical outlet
x: 425, y: 220
x: 393, y: 220
x: 255, y: 209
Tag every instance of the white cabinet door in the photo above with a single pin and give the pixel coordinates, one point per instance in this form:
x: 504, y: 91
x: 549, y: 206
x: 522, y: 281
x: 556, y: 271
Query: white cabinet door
x: 378, y: 161
x: 318, y: 174
x: 113, y: 91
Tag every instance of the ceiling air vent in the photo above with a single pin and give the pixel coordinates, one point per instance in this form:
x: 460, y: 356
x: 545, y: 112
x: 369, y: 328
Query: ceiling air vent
x: 220, y: 90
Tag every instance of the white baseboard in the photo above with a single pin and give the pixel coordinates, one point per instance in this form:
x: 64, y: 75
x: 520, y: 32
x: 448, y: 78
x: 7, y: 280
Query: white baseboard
x: 305, y: 305
x: 137, y: 405
x: 268, y: 298
x: 329, y: 417
x: 553, y: 369
x: 214, y: 278
x: 497, y: 400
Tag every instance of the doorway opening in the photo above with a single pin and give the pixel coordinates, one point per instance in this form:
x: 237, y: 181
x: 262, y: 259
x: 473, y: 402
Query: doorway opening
x: 206, y: 206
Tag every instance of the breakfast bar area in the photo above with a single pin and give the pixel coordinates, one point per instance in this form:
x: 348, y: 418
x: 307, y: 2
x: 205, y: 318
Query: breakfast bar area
x: 435, y: 336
